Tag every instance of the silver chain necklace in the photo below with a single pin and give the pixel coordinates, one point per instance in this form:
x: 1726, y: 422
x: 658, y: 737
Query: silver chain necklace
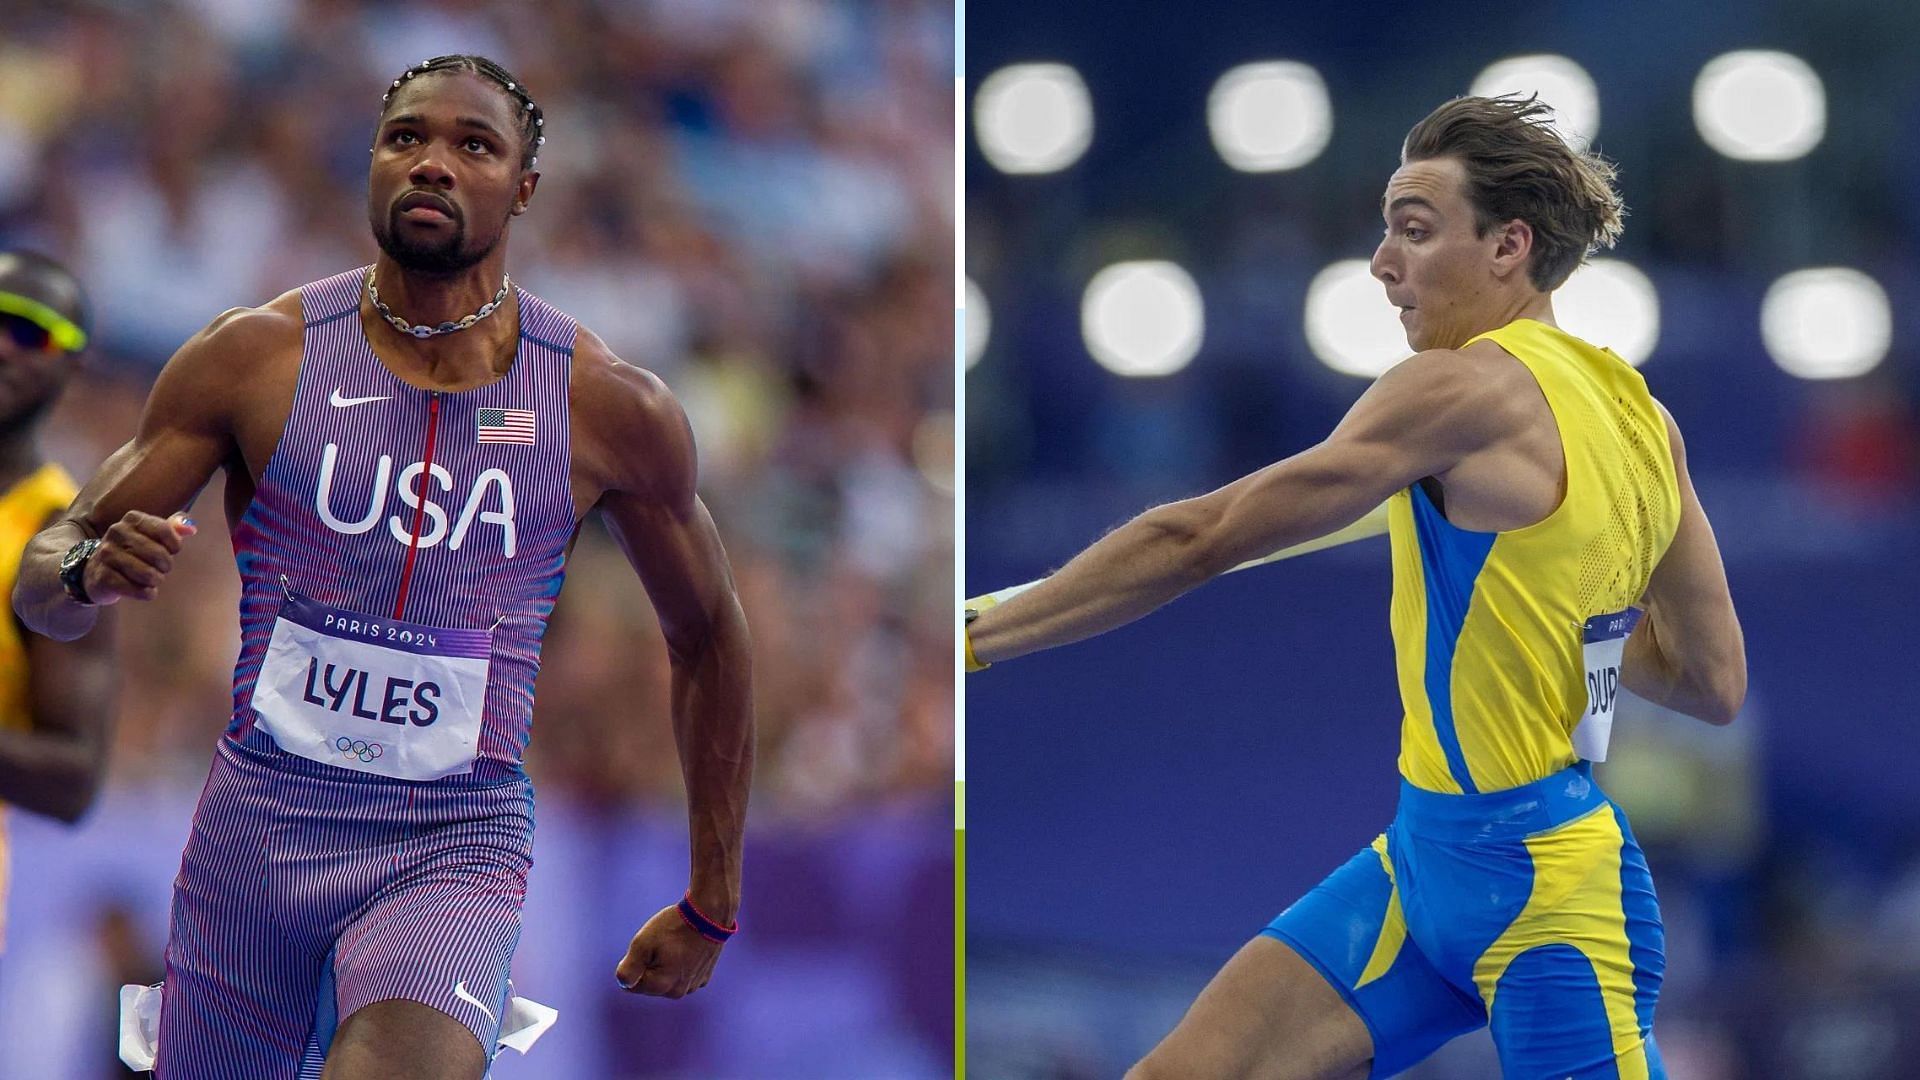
x: 405, y: 327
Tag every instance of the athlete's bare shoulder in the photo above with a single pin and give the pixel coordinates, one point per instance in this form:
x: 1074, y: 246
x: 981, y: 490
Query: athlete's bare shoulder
x: 1495, y: 396
x: 248, y: 333
x: 1494, y: 371
x: 629, y: 432
x: 220, y: 372
x: 1463, y: 398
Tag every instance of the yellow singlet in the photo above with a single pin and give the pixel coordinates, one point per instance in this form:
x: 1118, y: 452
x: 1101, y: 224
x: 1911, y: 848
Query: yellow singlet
x: 24, y: 510
x: 1502, y: 640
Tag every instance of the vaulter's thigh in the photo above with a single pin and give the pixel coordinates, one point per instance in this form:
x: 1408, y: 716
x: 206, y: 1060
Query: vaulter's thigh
x: 1351, y: 928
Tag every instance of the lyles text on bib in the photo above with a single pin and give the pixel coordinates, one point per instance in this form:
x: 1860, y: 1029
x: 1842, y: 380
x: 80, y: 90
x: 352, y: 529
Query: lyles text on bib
x: 372, y: 694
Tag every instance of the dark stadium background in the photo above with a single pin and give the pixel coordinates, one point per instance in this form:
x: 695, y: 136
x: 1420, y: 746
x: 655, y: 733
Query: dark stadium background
x: 1140, y: 805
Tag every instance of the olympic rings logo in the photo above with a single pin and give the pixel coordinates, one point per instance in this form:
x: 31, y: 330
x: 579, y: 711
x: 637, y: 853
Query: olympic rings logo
x: 358, y: 748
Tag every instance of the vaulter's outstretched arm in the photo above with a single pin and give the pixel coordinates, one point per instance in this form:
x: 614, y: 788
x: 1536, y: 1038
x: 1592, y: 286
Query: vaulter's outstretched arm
x: 1418, y: 420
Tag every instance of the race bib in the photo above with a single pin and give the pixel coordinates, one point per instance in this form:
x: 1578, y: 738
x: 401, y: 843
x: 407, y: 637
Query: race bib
x: 372, y: 694
x: 1604, y: 639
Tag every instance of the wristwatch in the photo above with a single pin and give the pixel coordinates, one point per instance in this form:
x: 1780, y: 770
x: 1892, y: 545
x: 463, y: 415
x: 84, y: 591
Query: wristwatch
x: 73, y: 569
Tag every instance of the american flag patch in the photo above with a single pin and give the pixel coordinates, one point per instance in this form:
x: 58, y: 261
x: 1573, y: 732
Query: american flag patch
x: 505, y: 426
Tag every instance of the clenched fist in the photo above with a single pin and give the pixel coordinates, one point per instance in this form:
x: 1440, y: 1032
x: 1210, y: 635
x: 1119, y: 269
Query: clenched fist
x: 134, y: 556
x: 668, y: 958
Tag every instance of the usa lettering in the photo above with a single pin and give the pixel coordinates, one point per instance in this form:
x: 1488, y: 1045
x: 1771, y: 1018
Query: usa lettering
x: 364, y: 694
x: 489, y: 503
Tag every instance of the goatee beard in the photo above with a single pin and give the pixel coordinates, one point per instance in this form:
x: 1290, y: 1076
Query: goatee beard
x: 437, y: 260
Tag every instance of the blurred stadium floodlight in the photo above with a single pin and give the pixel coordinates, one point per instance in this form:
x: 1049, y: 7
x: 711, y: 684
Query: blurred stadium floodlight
x: 1826, y: 323
x: 1033, y: 118
x: 1142, y: 318
x: 1612, y: 304
x: 1270, y: 116
x: 1350, y: 325
x: 1759, y: 105
x: 1560, y: 82
x: 978, y: 322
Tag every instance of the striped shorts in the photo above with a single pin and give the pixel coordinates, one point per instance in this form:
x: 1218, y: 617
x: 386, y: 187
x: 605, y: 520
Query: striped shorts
x: 306, y: 892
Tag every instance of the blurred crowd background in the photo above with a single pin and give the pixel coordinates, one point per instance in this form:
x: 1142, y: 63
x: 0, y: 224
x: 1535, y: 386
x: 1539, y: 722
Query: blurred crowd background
x: 1141, y: 805
x: 754, y: 199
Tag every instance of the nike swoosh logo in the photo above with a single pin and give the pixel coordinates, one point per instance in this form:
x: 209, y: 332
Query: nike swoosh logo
x: 460, y: 991
x: 342, y: 402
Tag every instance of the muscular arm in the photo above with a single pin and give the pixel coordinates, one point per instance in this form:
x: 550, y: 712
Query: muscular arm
x: 652, y: 511
x: 184, y: 435
x: 1688, y: 653
x: 55, y: 766
x: 1420, y: 419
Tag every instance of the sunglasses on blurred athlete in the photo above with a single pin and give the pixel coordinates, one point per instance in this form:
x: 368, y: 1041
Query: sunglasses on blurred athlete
x: 38, y: 328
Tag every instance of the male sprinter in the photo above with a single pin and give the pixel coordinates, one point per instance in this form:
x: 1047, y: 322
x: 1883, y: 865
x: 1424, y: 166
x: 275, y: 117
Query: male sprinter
x: 1536, y: 492
x: 409, y: 450
x: 56, y: 698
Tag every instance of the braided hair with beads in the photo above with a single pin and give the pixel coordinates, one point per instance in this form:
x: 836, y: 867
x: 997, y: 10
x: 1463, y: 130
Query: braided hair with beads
x: 532, y: 119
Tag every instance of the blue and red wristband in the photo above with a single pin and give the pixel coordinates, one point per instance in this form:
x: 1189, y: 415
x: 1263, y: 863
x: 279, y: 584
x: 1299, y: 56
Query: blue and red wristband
x: 704, y: 926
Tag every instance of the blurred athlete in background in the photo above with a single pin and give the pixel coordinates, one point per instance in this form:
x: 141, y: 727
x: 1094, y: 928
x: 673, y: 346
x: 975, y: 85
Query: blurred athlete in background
x: 56, y: 698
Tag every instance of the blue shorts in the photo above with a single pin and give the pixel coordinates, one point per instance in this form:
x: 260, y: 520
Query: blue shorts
x: 1530, y: 910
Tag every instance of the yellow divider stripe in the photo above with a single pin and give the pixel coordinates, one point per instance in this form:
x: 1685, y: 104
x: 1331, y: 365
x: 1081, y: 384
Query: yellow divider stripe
x: 1393, y: 928
x: 1576, y: 902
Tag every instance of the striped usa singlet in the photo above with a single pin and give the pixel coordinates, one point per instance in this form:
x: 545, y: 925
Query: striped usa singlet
x: 394, y: 517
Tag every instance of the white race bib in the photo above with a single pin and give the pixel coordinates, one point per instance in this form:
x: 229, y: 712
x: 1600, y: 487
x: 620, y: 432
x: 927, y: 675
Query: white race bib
x: 372, y: 694
x: 1603, y: 639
